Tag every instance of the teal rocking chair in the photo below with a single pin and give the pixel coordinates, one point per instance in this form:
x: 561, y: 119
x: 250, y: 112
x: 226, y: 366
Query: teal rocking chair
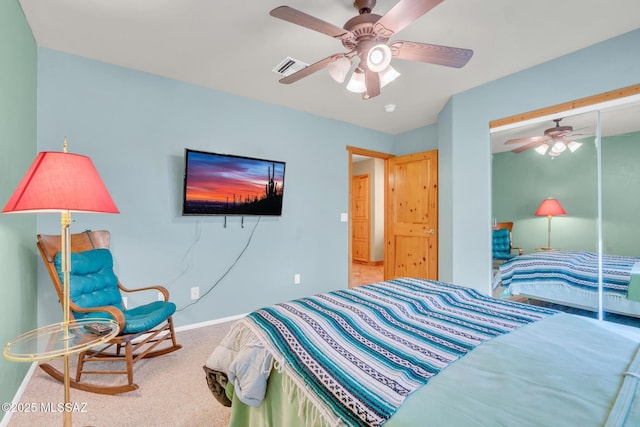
x: 502, y: 246
x: 95, y: 291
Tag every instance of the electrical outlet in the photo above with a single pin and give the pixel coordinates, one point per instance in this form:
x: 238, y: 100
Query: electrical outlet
x: 160, y: 296
x: 195, y: 292
x: 296, y: 279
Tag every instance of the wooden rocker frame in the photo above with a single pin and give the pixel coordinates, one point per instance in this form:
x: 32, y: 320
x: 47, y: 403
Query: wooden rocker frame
x: 136, y: 346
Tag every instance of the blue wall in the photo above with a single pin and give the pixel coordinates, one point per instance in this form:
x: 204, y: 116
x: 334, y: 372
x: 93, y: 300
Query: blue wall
x: 421, y: 139
x: 135, y: 126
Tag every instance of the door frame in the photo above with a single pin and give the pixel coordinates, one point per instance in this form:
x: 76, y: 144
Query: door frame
x: 369, y: 153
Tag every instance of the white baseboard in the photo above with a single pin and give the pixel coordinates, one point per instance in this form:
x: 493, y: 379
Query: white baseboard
x: 209, y: 323
x: 16, y: 399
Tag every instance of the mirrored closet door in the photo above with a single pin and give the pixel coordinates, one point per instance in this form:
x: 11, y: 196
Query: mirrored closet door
x: 565, y: 186
x: 620, y: 214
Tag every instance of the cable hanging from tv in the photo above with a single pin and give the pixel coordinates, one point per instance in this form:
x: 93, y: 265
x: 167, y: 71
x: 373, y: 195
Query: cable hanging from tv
x: 233, y: 264
x: 241, y: 222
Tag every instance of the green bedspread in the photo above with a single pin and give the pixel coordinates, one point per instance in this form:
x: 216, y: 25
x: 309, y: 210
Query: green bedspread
x: 564, y: 370
x: 634, y: 284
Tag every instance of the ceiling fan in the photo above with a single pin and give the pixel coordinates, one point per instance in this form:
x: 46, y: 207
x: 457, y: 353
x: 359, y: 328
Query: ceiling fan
x: 554, y: 138
x: 365, y: 36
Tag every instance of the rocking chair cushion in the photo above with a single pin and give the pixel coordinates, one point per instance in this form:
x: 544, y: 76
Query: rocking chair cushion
x: 143, y: 317
x: 92, y: 283
x: 501, y: 244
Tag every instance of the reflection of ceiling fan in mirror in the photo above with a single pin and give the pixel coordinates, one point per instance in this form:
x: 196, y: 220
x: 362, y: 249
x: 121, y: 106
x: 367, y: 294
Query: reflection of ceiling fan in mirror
x: 555, y: 141
x: 365, y: 36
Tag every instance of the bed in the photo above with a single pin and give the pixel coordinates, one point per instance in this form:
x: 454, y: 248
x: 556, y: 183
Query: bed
x: 571, y: 278
x: 410, y: 352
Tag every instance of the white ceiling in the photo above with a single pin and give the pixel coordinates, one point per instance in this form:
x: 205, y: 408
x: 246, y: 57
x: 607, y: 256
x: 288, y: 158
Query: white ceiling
x: 232, y: 46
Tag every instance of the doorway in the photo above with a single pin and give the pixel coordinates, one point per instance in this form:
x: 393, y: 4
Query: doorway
x: 366, y: 215
x: 410, y: 217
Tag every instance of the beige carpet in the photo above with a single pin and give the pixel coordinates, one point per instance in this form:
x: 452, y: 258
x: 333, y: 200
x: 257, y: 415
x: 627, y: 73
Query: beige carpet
x: 173, y: 391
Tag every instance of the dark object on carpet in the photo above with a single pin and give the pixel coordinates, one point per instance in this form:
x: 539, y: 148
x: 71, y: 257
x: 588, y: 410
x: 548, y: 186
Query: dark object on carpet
x: 217, y: 382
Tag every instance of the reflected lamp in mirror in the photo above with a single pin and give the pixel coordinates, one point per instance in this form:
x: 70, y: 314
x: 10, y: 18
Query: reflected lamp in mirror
x: 550, y: 207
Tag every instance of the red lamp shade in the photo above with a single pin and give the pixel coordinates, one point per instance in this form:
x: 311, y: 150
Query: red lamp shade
x: 58, y: 181
x: 550, y: 207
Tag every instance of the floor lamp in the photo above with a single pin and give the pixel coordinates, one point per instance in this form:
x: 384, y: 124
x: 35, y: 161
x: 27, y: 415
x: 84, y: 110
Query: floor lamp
x: 549, y: 207
x: 62, y: 182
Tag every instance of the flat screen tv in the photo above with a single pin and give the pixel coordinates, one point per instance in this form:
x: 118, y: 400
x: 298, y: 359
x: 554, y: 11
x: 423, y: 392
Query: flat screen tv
x: 223, y: 184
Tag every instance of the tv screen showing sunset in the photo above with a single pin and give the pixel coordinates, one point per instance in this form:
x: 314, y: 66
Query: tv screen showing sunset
x: 222, y: 184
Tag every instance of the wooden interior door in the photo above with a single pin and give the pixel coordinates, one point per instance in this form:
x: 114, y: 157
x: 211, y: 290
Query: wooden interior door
x: 411, y: 225
x: 360, y: 219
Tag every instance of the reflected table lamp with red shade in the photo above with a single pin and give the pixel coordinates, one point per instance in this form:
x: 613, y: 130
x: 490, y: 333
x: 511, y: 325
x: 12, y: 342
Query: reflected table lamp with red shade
x: 550, y: 207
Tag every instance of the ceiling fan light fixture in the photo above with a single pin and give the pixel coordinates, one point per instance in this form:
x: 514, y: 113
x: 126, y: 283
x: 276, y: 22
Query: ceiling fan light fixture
x: 365, y: 37
x: 357, y: 83
x: 339, y: 68
x: 573, y: 146
x: 558, y: 147
x: 388, y: 75
x: 542, y: 149
x: 379, y: 57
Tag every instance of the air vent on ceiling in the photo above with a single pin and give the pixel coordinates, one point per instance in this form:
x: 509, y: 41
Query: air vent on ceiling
x: 289, y: 66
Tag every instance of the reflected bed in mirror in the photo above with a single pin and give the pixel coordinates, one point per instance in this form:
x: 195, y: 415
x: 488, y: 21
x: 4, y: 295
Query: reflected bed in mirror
x: 572, y: 278
x: 595, y: 183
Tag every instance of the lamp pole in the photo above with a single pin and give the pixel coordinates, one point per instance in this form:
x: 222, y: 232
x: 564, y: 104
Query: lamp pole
x: 65, y: 236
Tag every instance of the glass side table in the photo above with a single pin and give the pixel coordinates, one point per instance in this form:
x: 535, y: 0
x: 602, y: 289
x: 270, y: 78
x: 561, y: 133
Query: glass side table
x: 59, y: 340
x: 50, y: 342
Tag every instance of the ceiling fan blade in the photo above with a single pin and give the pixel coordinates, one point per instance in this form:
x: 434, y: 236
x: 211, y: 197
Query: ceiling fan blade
x: 431, y: 53
x: 540, y: 139
x: 308, y: 70
x: 527, y: 146
x: 402, y: 14
x: 294, y: 16
x: 575, y: 133
x: 372, y: 81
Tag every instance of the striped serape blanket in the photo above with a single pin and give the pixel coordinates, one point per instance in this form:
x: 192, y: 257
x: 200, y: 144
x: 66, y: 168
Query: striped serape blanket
x: 573, y: 268
x: 356, y: 354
